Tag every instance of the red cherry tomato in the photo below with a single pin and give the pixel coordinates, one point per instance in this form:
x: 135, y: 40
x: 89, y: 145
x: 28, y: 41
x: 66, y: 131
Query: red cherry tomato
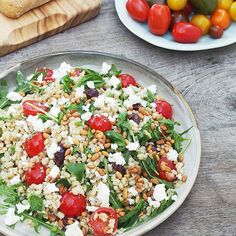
x: 49, y: 73
x: 35, y: 175
x: 29, y: 110
x: 138, y: 9
x: 34, y: 145
x: 100, y: 122
x: 127, y: 80
x: 164, y: 169
x: 159, y: 19
x: 186, y: 33
x: 101, y: 227
x: 72, y: 205
x: 164, y: 108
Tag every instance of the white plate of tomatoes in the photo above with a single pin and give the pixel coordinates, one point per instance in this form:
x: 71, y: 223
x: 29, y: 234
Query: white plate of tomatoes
x: 162, y: 26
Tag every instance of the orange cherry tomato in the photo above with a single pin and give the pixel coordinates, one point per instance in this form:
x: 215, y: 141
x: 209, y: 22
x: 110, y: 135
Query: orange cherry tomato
x: 221, y: 18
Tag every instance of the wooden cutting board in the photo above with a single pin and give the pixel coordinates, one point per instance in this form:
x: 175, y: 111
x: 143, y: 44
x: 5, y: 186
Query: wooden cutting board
x: 45, y: 21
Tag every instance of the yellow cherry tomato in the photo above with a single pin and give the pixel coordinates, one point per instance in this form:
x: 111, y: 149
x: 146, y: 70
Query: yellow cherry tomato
x: 202, y: 22
x: 177, y: 5
x: 224, y: 4
x: 232, y: 11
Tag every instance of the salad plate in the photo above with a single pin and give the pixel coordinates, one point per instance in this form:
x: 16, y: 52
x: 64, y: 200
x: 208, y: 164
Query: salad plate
x: 141, y: 30
x: 146, y: 77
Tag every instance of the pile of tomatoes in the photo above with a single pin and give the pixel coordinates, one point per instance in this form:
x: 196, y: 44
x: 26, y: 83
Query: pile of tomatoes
x: 187, y: 21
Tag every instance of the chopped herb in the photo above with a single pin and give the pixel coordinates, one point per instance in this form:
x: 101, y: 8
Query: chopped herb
x: 114, y: 71
x: 150, y: 97
x: 116, y: 138
x: 1, y: 132
x: 77, y: 169
x: 12, y: 150
x: 36, y: 203
x: 67, y: 84
x: 63, y: 182
x: 93, y: 76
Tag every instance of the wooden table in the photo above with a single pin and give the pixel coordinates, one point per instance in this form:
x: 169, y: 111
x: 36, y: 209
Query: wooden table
x: 207, y: 79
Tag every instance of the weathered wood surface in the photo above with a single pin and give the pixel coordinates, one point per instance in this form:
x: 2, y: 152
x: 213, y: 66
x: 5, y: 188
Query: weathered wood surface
x: 42, y: 22
x: 207, y: 80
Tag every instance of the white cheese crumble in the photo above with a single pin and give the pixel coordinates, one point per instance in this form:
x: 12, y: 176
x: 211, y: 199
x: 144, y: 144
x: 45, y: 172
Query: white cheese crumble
x: 52, y: 149
x: 40, y: 79
x: 14, y: 96
x: 38, y: 124
x: 86, y: 108
x: 11, y: 217
x: 134, y: 99
x: 77, y: 190
x: 159, y: 193
x: 62, y: 70
x: 133, y: 191
x: 55, y: 110
x: 51, y: 188
x: 21, y: 208
x: 131, y: 201
x: 172, y: 155
x: 86, y: 116
x: 79, y: 92
x: 114, y: 146
x: 133, y: 146
x: 54, y: 172
x: 91, y: 208
x: 174, y: 197
x: 105, y: 68
x: 62, y: 101
x: 114, y: 81
x: 90, y: 84
x: 116, y: 158
x: 15, y: 180
x: 103, y: 194
x: 155, y: 204
x: 73, y: 230
x: 152, y: 89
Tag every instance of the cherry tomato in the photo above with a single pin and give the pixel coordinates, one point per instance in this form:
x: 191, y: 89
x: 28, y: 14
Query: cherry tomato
x: 202, y: 22
x: 164, y: 108
x: 34, y: 145
x: 221, y: 18
x: 159, y: 19
x: 232, y: 11
x: 49, y: 73
x: 101, y: 227
x: 224, y: 4
x: 138, y: 9
x: 29, y: 110
x: 178, y: 16
x: 35, y: 175
x: 100, y: 122
x: 72, y: 205
x: 186, y: 33
x: 127, y: 80
x: 177, y: 5
x: 165, y: 167
x: 188, y: 8
x: 216, y: 32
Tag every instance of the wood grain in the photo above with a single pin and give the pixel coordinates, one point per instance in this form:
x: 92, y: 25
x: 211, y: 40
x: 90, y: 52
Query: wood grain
x: 47, y: 20
x: 207, y: 80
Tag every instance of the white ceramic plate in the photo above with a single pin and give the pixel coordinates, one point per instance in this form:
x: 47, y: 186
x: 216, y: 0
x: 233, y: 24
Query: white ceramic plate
x: 166, y: 41
x: 182, y: 113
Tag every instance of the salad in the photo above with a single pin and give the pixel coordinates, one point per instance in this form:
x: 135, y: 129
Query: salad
x: 85, y: 152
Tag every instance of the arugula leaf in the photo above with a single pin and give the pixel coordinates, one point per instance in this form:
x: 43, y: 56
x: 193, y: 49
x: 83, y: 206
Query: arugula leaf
x: 77, y: 169
x: 12, y: 150
x: 36, y: 203
x: 91, y: 76
x: 115, y: 138
x: 150, y: 97
x: 63, y: 182
x: 1, y: 155
x: 9, y: 193
x: 88, y: 185
x: 77, y: 107
x: 132, y: 216
x: 1, y: 132
x: 67, y: 83
x: 3, y: 94
x: 44, y: 117
x: 114, y: 71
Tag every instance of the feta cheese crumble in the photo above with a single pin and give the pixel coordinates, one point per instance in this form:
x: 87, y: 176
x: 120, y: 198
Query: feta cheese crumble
x: 14, y: 96
x: 90, y: 84
x: 160, y: 192
x: 11, y: 217
x: 86, y: 116
x: 105, y: 68
x: 73, y: 230
x: 21, y: 208
x: 79, y: 92
x: 114, y: 81
x: 172, y: 155
x: 38, y: 124
x: 54, y: 172
x: 133, y: 146
x: 51, y: 188
x: 103, y: 194
x: 116, y: 158
x: 52, y: 149
x: 15, y: 180
x: 133, y: 191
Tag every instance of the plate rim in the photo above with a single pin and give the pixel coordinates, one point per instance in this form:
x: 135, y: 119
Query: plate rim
x: 174, y: 207
x: 176, y: 46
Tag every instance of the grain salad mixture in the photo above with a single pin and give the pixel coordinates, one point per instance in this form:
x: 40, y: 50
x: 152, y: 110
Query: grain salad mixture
x: 85, y: 152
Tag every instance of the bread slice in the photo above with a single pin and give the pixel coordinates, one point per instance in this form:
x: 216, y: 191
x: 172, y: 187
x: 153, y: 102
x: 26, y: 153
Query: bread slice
x: 16, y: 8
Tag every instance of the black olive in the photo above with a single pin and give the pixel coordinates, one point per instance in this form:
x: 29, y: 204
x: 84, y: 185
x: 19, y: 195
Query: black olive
x: 91, y: 93
x: 135, y: 118
x: 59, y: 156
x: 137, y: 106
x: 119, y: 168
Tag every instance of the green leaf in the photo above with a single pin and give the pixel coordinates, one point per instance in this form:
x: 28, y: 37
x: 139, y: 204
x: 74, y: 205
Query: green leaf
x: 150, y: 97
x: 95, y: 77
x: 3, y: 94
x: 20, y: 78
x: 44, y: 117
x: 36, y: 203
x: 9, y: 193
x: 1, y: 132
x: 114, y: 71
x: 115, y: 138
x: 77, y: 169
x: 76, y: 107
x: 132, y: 216
x: 12, y: 150
x: 63, y: 182
x: 1, y: 155
x: 67, y: 84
